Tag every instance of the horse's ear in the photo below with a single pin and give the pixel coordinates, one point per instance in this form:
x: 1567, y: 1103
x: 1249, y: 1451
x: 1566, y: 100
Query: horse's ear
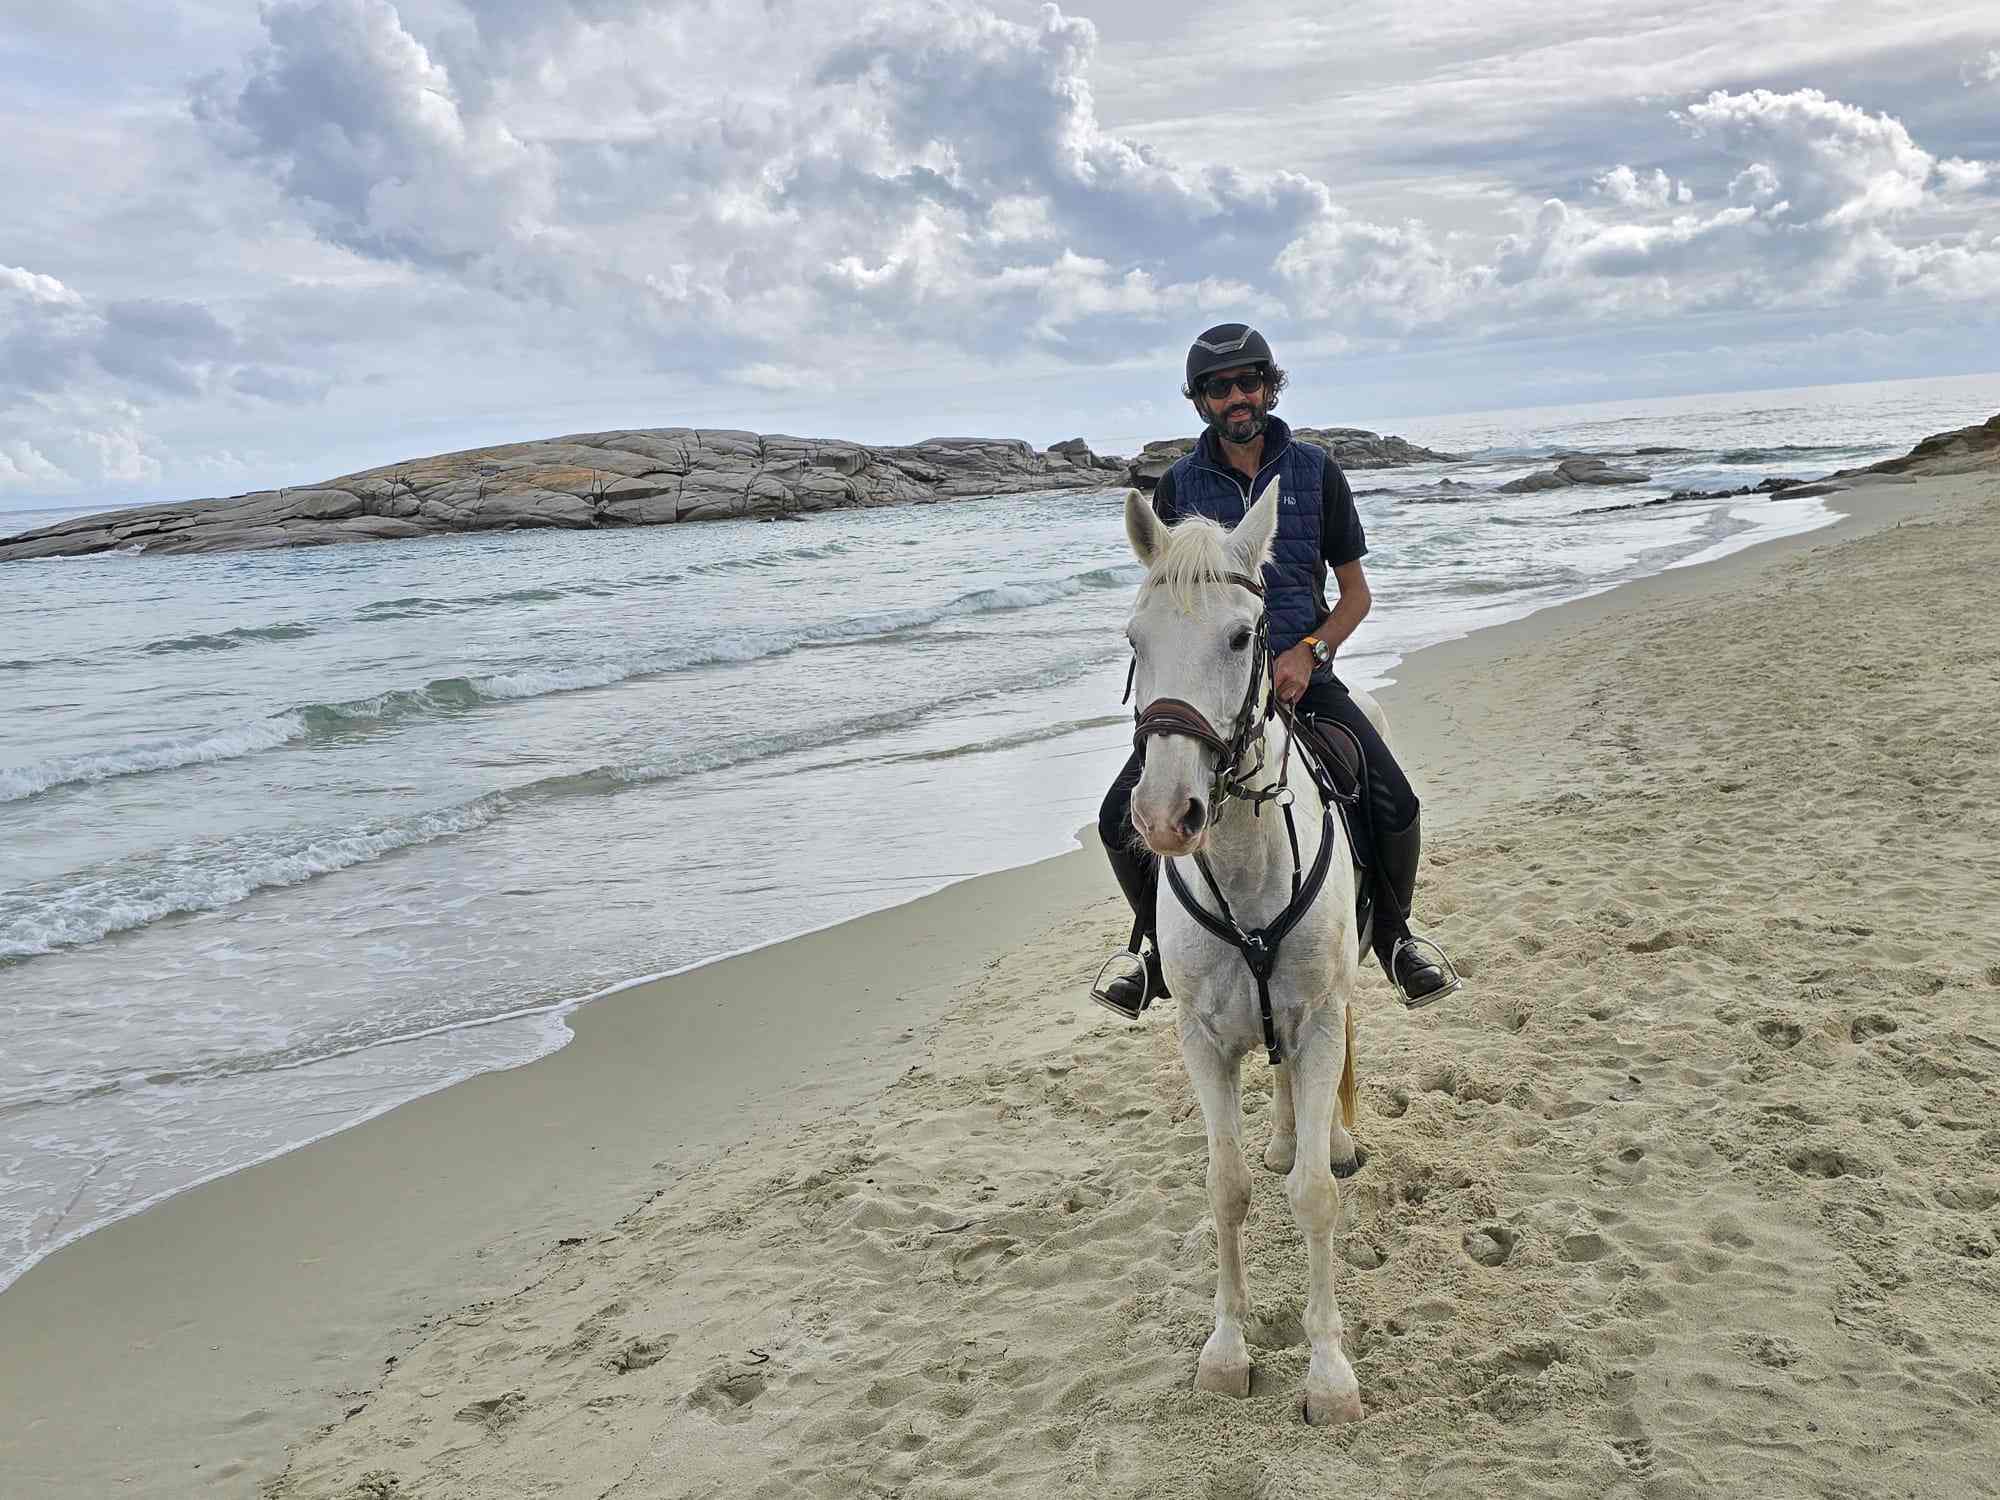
x: 1143, y: 528
x: 1252, y: 537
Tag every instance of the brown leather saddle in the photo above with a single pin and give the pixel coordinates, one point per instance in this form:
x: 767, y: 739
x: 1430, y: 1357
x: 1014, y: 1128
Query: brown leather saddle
x: 1332, y: 757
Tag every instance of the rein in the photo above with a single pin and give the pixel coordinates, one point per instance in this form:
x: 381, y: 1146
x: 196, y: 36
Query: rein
x: 1163, y: 716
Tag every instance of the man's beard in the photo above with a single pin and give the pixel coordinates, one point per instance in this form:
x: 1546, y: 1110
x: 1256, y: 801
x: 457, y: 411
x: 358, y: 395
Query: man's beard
x: 1240, y: 421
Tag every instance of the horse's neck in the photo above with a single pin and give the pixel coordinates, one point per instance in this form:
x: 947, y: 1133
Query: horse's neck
x: 1249, y: 848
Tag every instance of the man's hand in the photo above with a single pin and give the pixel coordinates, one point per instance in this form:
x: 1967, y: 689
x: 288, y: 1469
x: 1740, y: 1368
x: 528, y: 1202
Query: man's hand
x: 1292, y: 673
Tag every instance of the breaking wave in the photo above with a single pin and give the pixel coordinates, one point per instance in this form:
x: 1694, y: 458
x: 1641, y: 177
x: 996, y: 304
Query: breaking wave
x: 85, y: 906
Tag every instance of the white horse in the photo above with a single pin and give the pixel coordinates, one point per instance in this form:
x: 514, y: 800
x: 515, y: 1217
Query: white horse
x: 1197, y: 633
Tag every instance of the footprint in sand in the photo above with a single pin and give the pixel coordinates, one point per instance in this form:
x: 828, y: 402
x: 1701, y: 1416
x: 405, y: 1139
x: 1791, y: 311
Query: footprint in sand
x: 1579, y: 1248
x: 1780, y: 1034
x: 976, y: 1260
x: 1490, y: 1244
x: 726, y: 1394
x: 1867, y: 1028
x: 495, y: 1413
x: 1830, y: 1163
x: 640, y: 1354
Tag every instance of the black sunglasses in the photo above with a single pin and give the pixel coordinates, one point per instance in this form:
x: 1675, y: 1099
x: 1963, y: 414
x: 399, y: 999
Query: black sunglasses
x: 1215, y: 387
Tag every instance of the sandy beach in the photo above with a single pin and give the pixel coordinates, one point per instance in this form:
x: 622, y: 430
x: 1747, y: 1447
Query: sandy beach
x: 1691, y: 1192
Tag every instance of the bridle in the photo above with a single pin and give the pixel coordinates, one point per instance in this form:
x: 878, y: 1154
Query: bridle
x: 1165, y: 716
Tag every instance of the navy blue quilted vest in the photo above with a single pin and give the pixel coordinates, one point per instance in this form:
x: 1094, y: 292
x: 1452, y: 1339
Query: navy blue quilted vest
x: 1205, y: 485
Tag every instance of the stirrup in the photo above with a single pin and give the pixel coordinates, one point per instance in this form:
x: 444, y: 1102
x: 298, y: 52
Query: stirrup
x: 1453, y: 982
x: 1124, y: 964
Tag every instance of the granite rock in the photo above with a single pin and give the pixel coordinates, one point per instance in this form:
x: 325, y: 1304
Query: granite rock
x: 1965, y: 450
x: 1573, y: 471
x: 592, y: 480
x: 1351, y: 447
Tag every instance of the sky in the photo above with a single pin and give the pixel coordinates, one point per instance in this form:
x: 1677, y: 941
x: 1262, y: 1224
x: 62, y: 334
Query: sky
x: 245, y: 245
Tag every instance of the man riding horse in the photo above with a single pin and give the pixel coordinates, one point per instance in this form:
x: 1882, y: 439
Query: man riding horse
x: 1234, y: 384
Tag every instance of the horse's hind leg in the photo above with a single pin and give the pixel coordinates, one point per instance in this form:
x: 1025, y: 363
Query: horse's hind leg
x: 1332, y: 1393
x: 1225, y: 1358
x: 1284, y: 1142
x: 1282, y: 1149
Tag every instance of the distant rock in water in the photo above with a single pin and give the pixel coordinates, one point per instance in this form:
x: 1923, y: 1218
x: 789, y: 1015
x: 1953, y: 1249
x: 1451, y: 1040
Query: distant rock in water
x: 589, y: 480
x: 1574, y: 471
x: 1351, y: 447
x: 1774, y: 486
x: 1077, y: 451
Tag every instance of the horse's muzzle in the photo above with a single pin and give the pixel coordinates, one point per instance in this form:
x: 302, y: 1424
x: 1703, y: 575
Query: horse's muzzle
x: 1183, y: 834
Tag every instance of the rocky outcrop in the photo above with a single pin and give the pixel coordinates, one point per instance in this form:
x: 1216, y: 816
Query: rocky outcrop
x: 1351, y: 447
x: 1965, y: 450
x: 1077, y: 451
x: 1573, y: 471
x: 585, y: 481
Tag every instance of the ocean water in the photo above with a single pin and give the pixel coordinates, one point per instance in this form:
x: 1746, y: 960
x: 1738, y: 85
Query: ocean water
x: 289, y: 838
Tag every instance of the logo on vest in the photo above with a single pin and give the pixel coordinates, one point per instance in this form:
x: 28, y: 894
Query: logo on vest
x: 1287, y: 500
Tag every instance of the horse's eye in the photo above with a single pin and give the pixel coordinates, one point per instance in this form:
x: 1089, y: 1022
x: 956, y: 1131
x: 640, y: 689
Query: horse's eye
x: 1240, y: 640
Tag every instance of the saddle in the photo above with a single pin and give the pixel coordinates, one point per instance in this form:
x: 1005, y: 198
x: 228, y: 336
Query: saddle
x: 1332, y: 757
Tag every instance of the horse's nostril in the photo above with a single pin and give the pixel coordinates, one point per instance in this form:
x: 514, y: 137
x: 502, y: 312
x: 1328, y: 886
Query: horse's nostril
x: 1194, y: 817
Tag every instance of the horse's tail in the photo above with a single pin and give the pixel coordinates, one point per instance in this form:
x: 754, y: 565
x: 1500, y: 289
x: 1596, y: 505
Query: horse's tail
x: 1347, y: 1089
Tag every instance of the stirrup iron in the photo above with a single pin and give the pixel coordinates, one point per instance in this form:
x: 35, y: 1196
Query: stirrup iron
x: 1124, y: 964
x: 1453, y: 980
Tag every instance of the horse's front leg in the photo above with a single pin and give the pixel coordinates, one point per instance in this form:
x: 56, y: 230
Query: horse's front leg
x: 1225, y: 1358
x: 1332, y: 1393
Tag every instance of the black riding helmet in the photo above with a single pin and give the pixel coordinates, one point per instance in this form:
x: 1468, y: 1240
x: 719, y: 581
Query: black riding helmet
x: 1225, y: 347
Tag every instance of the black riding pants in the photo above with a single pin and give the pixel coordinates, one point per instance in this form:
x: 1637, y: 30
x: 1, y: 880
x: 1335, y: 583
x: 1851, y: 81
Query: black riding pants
x: 1392, y: 801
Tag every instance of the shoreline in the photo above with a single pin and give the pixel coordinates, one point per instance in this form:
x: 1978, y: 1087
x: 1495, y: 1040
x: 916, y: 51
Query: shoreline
x: 396, y: 1183
x: 553, y: 1013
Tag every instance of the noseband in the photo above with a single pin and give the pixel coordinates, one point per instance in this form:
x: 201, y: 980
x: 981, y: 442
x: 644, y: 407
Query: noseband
x: 1173, y: 716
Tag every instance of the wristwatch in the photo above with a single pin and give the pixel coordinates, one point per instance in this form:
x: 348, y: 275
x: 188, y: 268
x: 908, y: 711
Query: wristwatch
x: 1322, y: 652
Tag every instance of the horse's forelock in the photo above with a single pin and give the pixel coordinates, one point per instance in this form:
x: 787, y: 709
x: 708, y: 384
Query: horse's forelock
x: 1197, y: 553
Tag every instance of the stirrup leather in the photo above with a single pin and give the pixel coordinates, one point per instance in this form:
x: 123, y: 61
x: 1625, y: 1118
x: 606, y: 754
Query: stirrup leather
x: 1453, y: 981
x: 1124, y: 964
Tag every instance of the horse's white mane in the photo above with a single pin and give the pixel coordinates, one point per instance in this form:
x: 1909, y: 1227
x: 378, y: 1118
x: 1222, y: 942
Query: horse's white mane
x: 1196, y: 553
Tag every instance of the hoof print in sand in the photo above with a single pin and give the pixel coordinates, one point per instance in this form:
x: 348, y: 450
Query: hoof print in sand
x: 1830, y: 1163
x: 1771, y: 1351
x: 640, y: 1354
x: 1867, y: 1028
x: 1490, y: 1244
x: 1780, y: 1034
x: 727, y: 1394
x: 495, y: 1413
x: 976, y: 1261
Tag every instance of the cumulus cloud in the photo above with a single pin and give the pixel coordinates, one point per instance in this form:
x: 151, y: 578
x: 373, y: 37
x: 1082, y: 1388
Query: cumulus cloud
x: 75, y: 375
x: 918, y: 184
x: 1624, y: 186
x: 1984, y: 69
x: 23, y: 468
x: 932, y: 173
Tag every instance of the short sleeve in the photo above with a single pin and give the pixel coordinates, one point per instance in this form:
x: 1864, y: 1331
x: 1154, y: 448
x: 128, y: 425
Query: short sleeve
x: 1341, y: 538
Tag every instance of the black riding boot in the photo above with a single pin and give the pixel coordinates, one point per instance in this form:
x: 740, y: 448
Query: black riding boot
x: 1415, y: 976
x: 1138, y: 875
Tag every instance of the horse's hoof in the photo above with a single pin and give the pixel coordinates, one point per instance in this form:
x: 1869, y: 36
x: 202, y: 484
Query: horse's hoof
x: 1346, y: 1169
x: 1332, y: 1408
x: 1224, y: 1379
x: 1280, y: 1153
